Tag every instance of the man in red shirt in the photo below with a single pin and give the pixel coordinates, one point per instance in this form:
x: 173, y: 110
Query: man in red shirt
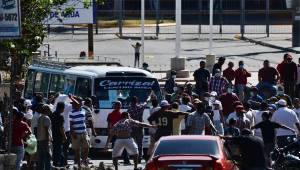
x: 268, y: 77
x: 20, y: 131
x: 280, y: 66
x: 241, y: 75
x: 227, y: 99
x: 228, y: 73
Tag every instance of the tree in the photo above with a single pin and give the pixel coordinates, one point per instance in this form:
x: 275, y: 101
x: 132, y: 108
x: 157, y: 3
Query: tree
x: 33, y: 13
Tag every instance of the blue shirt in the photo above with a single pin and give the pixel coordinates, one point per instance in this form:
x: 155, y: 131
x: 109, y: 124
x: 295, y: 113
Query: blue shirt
x: 77, y: 119
x: 257, y: 98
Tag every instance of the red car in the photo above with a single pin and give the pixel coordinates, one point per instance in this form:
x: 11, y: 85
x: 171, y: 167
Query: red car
x: 190, y: 153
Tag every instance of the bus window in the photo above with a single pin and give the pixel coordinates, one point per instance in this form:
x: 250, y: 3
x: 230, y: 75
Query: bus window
x: 41, y: 83
x: 69, y: 86
x: 28, y: 93
x: 83, y: 87
x: 57, y: 83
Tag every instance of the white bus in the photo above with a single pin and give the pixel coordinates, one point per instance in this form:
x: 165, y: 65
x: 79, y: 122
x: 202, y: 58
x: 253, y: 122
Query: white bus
x: 106, y: 83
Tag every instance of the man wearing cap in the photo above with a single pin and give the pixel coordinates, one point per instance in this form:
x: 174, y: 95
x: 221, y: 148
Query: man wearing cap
x: 217, y: 108
x: 20, y: 131
x: 287, y: 117
x: 198, y: 121
x: 242, y: 121
x: 218, y: 83
x: 163, y: 118
x: 289, y: 76
x: 218, y: 65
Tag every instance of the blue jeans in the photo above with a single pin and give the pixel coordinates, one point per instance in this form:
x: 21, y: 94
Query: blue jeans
x: 44, y: 155
x: 20, y: 152
x: 240, y: 91
x: 266, y: 86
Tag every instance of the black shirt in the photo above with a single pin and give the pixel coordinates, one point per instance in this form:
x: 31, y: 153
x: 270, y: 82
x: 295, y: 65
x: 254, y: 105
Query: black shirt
x: 290, y: 72
x: 57, y: 121
x: 201, y: 75
x: 267, y: 128
x: 215, y: 67
x: 164, y: 122
x: 252, y: 151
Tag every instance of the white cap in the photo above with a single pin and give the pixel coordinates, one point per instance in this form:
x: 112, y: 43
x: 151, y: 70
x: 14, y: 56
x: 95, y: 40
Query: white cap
x: 27, y: 103
x: 282, y: 102
x: 213, y: 93
x: 164, y: 103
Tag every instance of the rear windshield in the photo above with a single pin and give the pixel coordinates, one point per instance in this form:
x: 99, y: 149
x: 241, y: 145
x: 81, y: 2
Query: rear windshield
x: 209, y: 147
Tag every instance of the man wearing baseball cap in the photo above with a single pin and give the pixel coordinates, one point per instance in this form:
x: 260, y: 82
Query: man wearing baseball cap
x: 287, y: 117
x: 163, y: 118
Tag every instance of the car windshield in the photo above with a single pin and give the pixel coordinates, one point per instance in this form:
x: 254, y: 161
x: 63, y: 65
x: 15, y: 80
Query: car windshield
x: 173, y: 147
x: 109, y: 90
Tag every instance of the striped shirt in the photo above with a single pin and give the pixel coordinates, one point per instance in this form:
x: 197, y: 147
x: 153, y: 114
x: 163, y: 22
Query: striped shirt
x: 218, y: 84
x: 77, y: 119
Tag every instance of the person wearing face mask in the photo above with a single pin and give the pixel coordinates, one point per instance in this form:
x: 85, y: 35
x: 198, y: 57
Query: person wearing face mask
x: 289, y: 76
x: 218, y: 83
x: 241, y: 75
x: 170, y: 83
x: 228, y: 99
x: 218, y: 118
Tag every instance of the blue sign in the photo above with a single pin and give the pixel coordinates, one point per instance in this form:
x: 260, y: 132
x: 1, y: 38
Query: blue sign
x: 10, y: 19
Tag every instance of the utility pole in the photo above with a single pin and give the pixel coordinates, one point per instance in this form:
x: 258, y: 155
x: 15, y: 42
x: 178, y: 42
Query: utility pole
x: 296, y: 24
x: 90, y: 41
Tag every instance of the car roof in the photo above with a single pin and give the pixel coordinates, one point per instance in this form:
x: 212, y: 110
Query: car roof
x: 190, y: 137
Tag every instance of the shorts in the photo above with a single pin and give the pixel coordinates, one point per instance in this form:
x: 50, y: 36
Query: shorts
x: 81, y: 141
x: 128, y: 144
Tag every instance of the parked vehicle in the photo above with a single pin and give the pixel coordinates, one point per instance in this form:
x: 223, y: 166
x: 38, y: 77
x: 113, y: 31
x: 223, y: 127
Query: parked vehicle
x: 190, y: 153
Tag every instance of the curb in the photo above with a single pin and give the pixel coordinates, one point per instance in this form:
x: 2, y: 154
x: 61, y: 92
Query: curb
x: 136, y: 37
x: 267, y: 44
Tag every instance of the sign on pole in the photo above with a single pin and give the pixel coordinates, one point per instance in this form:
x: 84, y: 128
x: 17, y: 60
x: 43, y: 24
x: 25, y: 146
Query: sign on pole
x: 10, y: 19
x: 80, y: 15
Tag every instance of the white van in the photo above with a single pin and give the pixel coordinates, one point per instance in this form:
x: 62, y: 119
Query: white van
x: 107, y: 83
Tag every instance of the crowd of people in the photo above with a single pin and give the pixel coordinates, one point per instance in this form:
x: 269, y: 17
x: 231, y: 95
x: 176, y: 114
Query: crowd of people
x: 220, y: 103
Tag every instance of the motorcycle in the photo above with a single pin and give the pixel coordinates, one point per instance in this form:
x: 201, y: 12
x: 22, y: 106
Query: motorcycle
x: 287, y: 158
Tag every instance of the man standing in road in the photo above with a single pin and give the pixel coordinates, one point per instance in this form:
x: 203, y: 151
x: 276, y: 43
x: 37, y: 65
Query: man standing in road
x: 201, y: 76
x: 287, y: 117
x: 289, y: 76
x: 218, y: 83
x: 44, y: 139
x: 198, y: 120
x: 80, y: 138
x: 267, y: 77
x: 137, y: 48
x: 122, y: 130
x: 229, y: 73
x: 136, y: 112
x: 164, y: 118
x: 218, y: 65
x: 241, y: 75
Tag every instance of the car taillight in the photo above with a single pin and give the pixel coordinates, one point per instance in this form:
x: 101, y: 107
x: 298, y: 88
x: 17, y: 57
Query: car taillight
x: 218, y: 165
x: 150, y: 166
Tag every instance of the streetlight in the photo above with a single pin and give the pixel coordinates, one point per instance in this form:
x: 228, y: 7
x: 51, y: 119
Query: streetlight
x: 210, y: 58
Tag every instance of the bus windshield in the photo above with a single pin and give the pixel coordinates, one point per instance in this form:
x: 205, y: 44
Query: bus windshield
x: 109, y: 90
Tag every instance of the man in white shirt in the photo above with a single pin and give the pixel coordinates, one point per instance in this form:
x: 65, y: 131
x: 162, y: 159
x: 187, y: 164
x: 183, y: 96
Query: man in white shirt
x: 217, y: 108
x: 184, y: 107
x: 287, y: 117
